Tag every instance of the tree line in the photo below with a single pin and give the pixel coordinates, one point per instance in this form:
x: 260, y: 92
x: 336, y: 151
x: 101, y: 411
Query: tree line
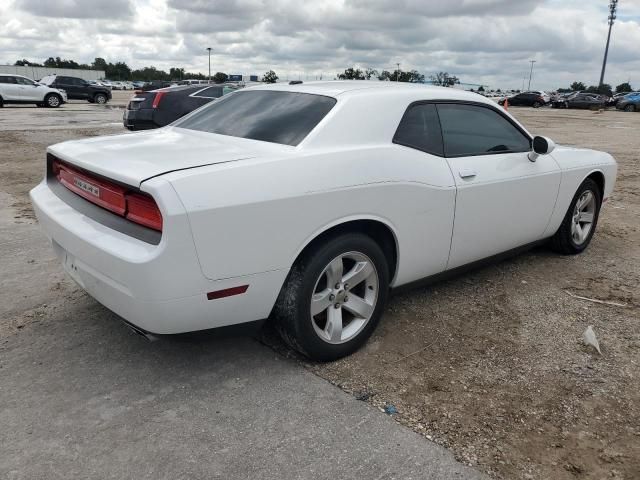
x: 604, y: 89
x: 121, y: 71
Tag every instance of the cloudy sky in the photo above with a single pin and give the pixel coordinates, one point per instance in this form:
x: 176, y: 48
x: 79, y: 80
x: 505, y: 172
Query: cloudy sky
x: 481, y: 41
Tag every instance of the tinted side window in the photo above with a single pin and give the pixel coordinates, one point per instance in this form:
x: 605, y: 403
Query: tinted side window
x: 474, y: 130
x: 23, y: 81
x: 211, y: 92
x: 420, y: 129
x: 7, y: 80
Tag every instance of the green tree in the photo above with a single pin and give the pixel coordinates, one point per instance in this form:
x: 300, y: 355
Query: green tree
x: 351, y: 74
x: 176, y: 73
x: 624, y: 87
x: 577, y: 86
x: 26, y: 63
x: 444, y: 79
x: 270, y: 77
x: 481, y: 89
x: 220, y: 77
x: 385, y: 76
x: 604, y: 89
x: 370, y: 72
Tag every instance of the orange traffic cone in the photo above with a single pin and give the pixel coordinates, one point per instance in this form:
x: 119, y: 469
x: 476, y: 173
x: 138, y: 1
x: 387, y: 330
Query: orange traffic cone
x: 506, y: 103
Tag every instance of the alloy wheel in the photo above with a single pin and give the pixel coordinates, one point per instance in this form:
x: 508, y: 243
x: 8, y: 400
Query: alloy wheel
x: 583, y: 217
x: 344, y: 297
x: 53, y: 101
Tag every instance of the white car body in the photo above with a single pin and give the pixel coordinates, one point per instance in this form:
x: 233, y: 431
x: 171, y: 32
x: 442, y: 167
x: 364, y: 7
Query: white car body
x: 238, y: 212
x: 25, y: 90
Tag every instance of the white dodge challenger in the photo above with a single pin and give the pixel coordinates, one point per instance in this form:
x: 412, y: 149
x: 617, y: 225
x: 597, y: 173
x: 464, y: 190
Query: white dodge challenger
x: 306, y: 204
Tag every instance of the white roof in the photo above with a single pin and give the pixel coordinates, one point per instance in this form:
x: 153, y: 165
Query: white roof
x: 343, y: 88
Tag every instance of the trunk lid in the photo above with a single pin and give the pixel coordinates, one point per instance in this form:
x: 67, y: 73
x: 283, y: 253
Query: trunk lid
x: 133, y: 158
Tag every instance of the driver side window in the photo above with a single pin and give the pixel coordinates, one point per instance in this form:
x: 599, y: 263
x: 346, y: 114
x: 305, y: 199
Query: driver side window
x: 470, y: 130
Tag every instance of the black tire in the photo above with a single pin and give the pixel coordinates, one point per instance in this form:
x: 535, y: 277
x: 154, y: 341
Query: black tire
x: 563, y: 241
x: 630, y: 108
x: 53, y: 100
x: 537, y: 104
x: 292, y: 311
x: 100, y: 98
x: 1, y: 102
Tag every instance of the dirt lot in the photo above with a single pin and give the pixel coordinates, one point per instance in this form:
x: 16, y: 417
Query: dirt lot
x: 490, y: 364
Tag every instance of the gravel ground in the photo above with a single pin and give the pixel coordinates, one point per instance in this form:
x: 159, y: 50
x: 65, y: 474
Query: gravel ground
x: 490, y: 364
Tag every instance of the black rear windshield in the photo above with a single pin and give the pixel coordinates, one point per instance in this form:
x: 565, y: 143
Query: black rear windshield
x: 270, y: 116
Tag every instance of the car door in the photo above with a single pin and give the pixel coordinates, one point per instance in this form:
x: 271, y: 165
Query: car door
x: 28, y: 90
x: 9, y: 88
x: 503, y: 199
x: 68, y: 85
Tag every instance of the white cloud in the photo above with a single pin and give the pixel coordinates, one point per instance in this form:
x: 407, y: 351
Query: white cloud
x: 480, y: 41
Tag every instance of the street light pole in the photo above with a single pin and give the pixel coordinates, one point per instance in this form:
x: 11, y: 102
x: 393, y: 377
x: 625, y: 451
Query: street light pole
x: 398, y: 73
x: 613, y: 6
x: 531, y: 73
x: 209, y: 49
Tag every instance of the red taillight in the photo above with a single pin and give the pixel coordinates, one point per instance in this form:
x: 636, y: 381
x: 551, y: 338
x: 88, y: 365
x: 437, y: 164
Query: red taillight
x: 157, y: 98
x: 106, y: 194
x: 139, y: 208
x: 143, y: 209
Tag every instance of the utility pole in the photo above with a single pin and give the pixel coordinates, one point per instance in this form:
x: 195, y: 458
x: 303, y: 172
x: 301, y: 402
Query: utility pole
x: 613, y: 6
x: 531, y: 73
x: 209, y: 49
x: 398, y: 73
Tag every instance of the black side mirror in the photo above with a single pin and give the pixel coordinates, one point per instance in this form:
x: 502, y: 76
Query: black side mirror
x: 541, y: 146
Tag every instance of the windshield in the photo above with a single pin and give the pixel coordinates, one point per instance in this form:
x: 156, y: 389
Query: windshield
x: 270, y: 116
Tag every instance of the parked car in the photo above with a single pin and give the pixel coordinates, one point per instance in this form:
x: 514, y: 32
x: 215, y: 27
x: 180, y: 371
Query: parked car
x: 78, y: 89
x: 527, y: 99
x: 137, y: 84
x: 16, y: 89
x: 281, y: 201
x: 581, y: 100
x: 629, y: 103
x: 155, y: 85
x: 158, y: 108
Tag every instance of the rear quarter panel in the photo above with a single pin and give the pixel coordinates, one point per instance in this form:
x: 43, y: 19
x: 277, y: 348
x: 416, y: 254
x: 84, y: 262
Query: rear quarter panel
x: 255, y: 216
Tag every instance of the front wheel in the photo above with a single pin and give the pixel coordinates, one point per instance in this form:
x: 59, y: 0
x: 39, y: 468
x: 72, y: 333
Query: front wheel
x: 537, y: 105
x: 579, y: 224
x: 333, y: 297
x: 100, y: 99
x: 52, y: 100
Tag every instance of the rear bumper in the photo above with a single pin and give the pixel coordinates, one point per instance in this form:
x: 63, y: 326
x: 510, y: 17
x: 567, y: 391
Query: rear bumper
x: 158, y: 288
x: 139, y: 119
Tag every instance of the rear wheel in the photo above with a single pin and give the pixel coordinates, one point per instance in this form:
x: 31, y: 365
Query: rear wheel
x: 1, y: 102
x: 100, y: 98
x: 579, y: 224
x: 333, y: 297
x: 630, y: 108
x: 52, y: 100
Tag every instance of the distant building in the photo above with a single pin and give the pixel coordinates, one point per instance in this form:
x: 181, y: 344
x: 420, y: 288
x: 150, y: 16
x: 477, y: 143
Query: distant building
x: 36, y: 73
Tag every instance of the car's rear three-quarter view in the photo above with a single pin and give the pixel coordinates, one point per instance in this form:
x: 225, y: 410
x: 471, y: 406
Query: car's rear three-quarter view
x: 306, y: 204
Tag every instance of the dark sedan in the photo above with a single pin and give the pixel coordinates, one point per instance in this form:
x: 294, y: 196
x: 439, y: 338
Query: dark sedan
x: 581, y: 100
x: 526, y: 99
x: 629, y: 103
x: 158, y: 108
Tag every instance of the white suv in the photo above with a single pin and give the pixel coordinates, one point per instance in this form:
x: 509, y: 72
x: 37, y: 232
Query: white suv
x: 19, y: 89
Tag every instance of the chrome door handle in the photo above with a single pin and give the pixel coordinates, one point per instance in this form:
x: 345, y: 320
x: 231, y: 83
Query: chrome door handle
x: 467, y: 173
